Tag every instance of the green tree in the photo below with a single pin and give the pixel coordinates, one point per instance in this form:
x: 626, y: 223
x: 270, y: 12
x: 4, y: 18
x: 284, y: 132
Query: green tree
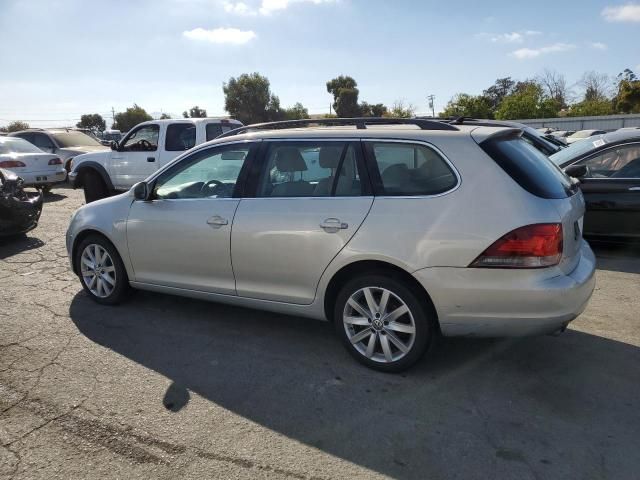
x: 376, y: 110
x: 248, y: 98
x: 15, y: 126
x: 527, y: 101
x: 627, y: 99
x: 125, y: 121
x: 498, y: 91
x: 401, y: 110
x: 165, y: 116
x: 464, y: 105
x: 297, y: 112
x: 588, y: 108
x: 195, y: 112
x: 345, y: 96
x: 93, y: 122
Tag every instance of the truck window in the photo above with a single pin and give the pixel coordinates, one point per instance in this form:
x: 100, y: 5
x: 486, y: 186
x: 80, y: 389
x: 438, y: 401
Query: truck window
x: 180, y: 137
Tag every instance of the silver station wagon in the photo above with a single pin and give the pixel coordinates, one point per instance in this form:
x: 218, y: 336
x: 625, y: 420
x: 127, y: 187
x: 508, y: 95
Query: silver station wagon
x: 395, y: 230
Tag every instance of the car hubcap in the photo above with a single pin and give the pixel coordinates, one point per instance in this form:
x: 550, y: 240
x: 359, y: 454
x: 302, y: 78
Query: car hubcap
x: 379, y: 324
x: 98, y: 271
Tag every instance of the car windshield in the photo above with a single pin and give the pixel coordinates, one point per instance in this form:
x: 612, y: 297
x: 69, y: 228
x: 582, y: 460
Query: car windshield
x: 74, y: 139
x: 575, y: 149
x: 17, y: 145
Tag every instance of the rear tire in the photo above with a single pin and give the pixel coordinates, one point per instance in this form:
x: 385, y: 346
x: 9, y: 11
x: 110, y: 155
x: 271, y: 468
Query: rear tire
x: 94, y: 187
x: 101, y: 270
x: 395, y: 335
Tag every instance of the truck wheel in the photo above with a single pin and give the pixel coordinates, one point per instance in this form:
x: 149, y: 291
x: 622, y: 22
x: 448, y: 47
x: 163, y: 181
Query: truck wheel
x: 94, y: 187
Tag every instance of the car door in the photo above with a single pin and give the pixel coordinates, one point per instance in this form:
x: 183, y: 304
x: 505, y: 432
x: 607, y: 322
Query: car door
x: 178, y: 137
x: 307, y: 199
x: 611, y: 190
x: 136, y: 157
x: 181, y: 237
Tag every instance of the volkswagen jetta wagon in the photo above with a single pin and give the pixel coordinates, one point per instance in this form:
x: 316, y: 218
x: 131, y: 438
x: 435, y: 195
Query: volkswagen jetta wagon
x: 394, y: 230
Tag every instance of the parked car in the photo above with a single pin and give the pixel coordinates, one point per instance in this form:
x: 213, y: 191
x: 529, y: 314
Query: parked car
x: 19, y: 210
x: 561, y: 135
x: 530, y: 134
x: 109, y: 136
x: 608, y: 167
x: 582, y: 134
x: 394, y: 234
x: 66, y: 143
x: 145, y: 148
x: 35, y: 167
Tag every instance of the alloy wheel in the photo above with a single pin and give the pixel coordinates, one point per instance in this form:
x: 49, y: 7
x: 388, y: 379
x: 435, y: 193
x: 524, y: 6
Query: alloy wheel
x: 379, y: 324
x: 98, y: 270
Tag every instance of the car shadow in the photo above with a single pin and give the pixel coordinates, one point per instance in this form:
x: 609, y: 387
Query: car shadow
x: 52, y: 197
x: 617, y: 257
x: 519, y: 408
x: 15, y: 244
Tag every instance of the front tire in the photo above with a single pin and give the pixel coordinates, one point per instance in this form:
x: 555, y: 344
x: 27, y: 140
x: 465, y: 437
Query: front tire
x: 382, y: 322
x: 94, y: 187
x: 101, y: 270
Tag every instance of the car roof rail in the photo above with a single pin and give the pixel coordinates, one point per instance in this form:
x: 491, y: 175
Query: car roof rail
x: 360, y: 123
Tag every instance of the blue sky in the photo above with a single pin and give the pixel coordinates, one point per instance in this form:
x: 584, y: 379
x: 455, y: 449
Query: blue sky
x: 62, y: 58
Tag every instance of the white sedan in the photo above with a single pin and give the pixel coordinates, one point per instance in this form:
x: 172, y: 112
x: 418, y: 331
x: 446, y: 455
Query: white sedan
x: 34, y: 166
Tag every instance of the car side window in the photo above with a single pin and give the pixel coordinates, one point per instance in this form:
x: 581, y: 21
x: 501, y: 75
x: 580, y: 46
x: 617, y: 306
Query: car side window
x: 180, y: 137
x: 309, y: 169
x: 213, y: 130
x: 143, y: 139
x: 405, y: 169
x: 620, y: 162
x: 210, y: 173
x: 43, y: 142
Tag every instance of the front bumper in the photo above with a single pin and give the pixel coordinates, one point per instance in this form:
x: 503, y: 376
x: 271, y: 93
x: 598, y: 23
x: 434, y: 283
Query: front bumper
x: 19, y: 215
x: 488, y: 302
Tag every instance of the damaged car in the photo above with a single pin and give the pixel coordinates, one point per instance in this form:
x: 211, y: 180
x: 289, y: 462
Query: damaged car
x: 19, y: 210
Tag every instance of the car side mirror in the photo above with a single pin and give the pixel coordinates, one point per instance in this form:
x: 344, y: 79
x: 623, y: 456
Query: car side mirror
x: 141, y: 191
x: 576, y: 171
x: 114, y: 145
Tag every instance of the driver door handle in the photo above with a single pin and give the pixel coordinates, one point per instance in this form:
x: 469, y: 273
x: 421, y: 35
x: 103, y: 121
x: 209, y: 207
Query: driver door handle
x: 332, y: 225
x: 217, y: 221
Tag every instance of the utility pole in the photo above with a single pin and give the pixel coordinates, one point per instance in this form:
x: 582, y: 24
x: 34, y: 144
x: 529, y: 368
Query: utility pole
x: 113, y: 116
x: 431, y: 98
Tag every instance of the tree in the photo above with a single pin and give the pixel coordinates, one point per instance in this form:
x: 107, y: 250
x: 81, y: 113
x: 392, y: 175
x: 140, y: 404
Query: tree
x: 377, y: 110
x: 195, y: 112
x: 464, y: 105
x: 93, y: 122
x: 248, y: 98
x: 588, y: 108
x: 627, y: 99
x: 400, y: 110
x: 125, y: 121
x: 297, y: 112
x: 345, y: 96
x: 597, y: 86
x: 527, y: 101
x: 15, y: 126
x: 554, y: 86
x: 165, y: 116
x: 498, y: 91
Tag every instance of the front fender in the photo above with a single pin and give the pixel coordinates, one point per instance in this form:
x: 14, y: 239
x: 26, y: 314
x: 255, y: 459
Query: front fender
x: 79, y: 170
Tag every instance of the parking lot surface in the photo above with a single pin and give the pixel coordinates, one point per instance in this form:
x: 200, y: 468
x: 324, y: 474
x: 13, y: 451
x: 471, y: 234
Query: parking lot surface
x: 165, y: 387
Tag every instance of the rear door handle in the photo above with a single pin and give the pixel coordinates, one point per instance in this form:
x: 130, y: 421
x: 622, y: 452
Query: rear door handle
x: 151, y: 159
x: 217, y: 221
x: 332, y: 225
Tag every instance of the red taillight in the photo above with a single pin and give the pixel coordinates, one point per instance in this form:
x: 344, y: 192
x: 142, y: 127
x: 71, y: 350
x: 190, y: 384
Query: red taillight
x: 12, y: 164
x: 55, y: 161
x: 533, y: 246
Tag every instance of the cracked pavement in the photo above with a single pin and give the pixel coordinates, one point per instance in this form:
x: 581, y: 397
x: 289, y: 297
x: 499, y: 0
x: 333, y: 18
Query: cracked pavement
x: 166, y: 387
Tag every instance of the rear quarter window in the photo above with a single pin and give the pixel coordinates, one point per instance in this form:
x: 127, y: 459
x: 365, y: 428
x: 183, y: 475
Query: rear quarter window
x: 532, y: 170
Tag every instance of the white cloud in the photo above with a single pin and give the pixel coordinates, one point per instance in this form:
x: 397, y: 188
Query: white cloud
x: 238, y: 8
x: 231, y: 36
x: 524, y: 53
x: 598, y: 45
x: 622, y: 13
x: 270, y: 6
x: 509, y: 37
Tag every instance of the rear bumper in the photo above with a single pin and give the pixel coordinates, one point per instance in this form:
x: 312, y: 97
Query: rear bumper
x: 500, y: 302
x: 38, y: 177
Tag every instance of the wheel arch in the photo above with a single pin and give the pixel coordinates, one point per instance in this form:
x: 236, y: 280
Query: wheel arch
x: 80, y: 236
x: 86, y: 167
x: 362, y: 267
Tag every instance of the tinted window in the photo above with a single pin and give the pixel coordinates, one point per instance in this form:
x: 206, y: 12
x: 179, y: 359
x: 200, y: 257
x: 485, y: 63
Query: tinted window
x: 144, y: 139
x: 410, y: 169
x: 74, y: 139
x: 43, y: 142
x: 621, y: 162
x: 214, y: 130
x: 531, y: 169
x: 210, y: 173
x: 309, y: 169
x: 180, y: 137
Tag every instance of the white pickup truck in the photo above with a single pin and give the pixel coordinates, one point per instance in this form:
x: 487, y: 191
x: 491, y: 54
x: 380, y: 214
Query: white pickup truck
x: 146, y: 147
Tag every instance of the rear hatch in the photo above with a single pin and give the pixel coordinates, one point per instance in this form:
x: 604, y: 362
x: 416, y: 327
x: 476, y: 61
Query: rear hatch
x: 538, y: 175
